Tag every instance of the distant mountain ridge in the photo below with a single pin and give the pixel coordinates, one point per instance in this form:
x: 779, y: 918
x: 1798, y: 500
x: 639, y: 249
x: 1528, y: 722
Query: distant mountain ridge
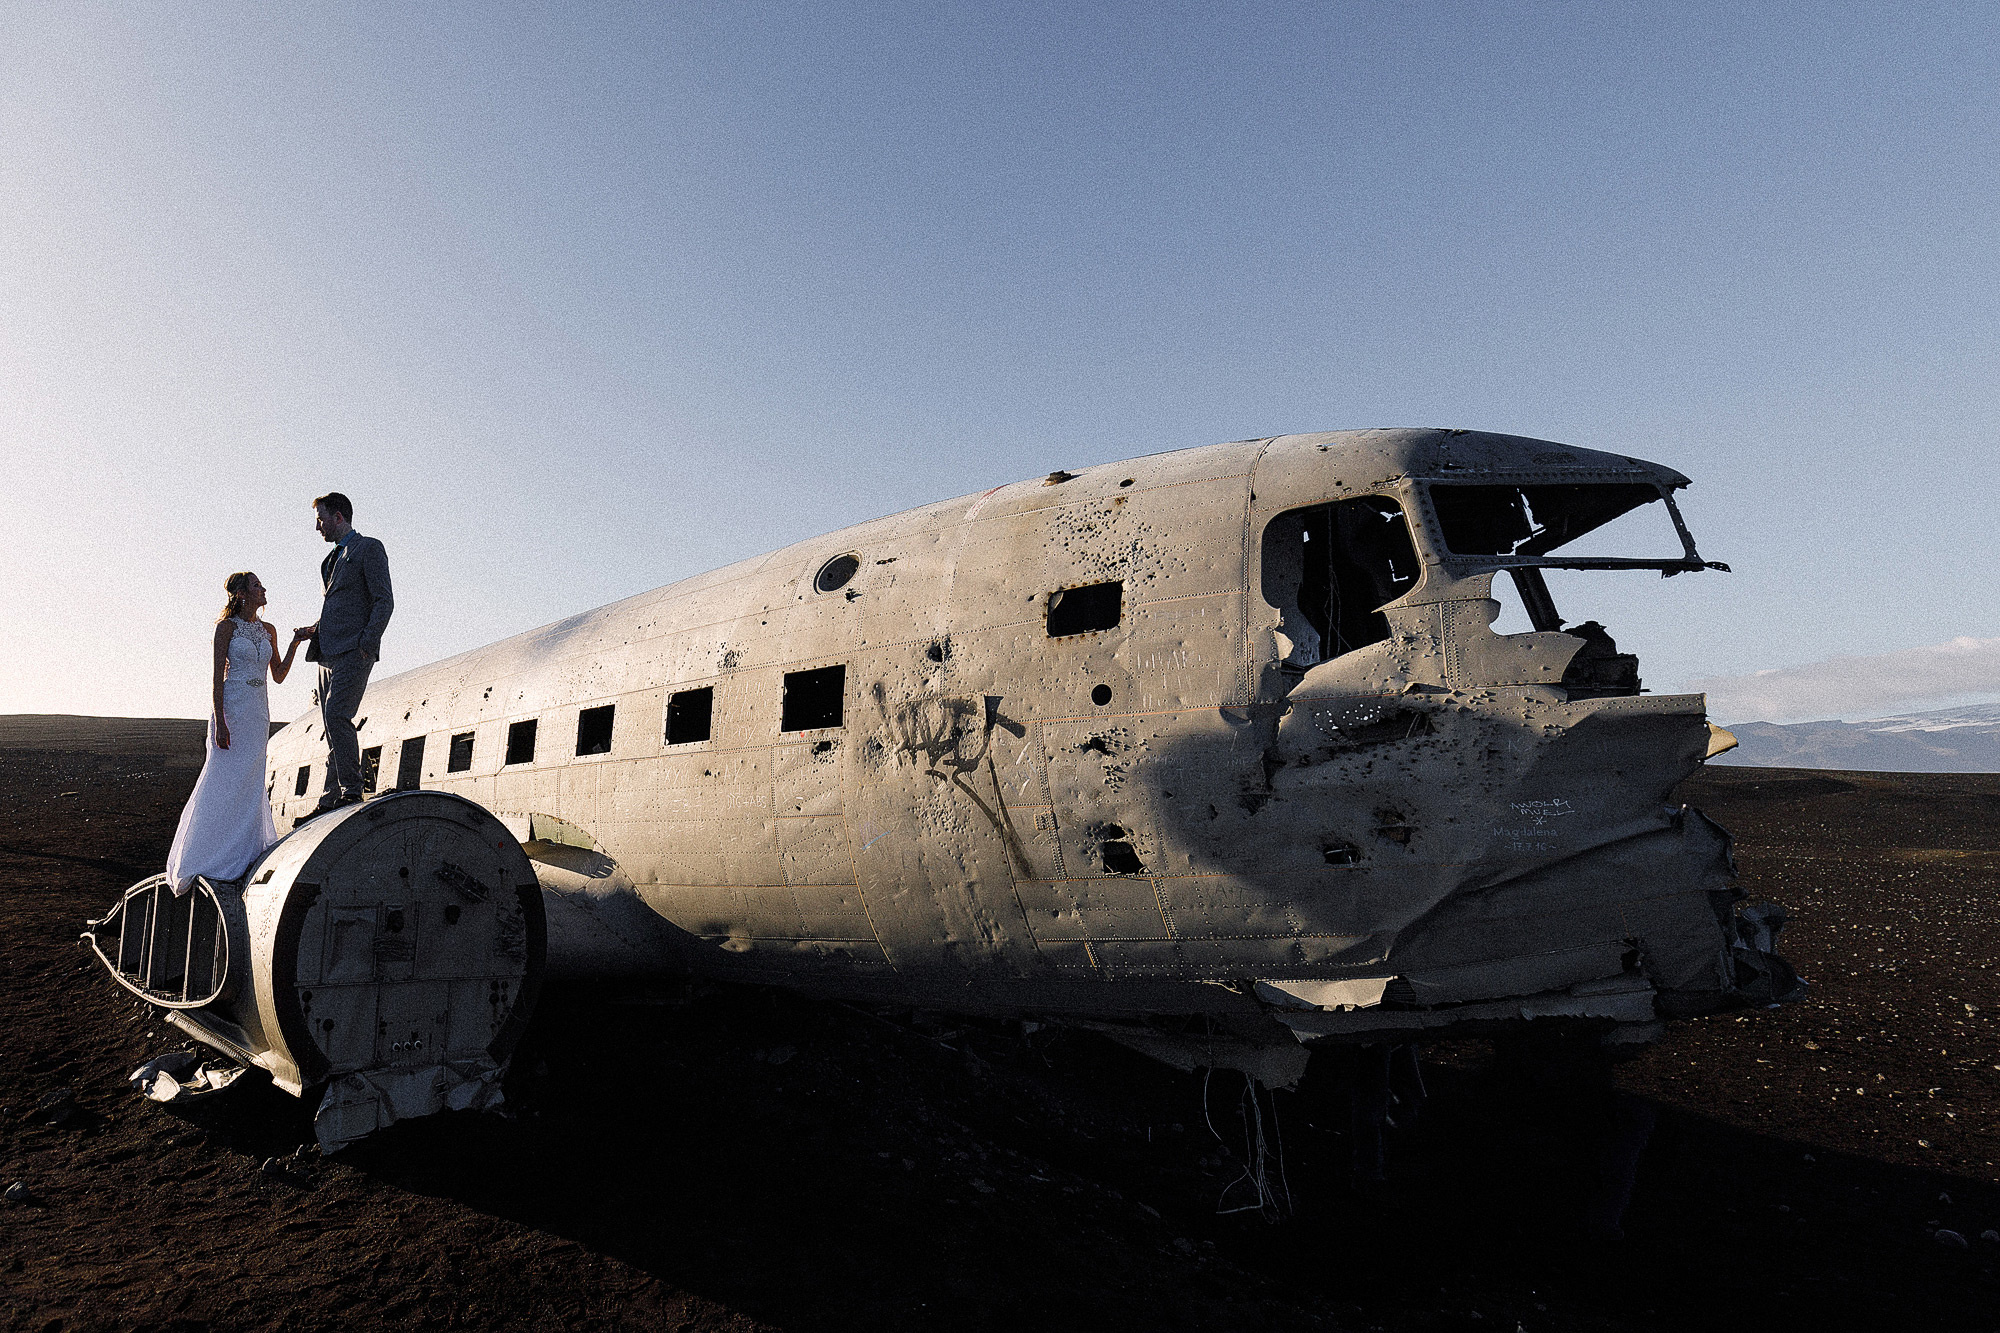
x: 1950, y: 740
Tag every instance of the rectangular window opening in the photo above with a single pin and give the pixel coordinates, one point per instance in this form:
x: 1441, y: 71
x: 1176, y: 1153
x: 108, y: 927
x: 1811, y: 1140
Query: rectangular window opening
x: 1085, y: 610
x: 305, y: 779
x: 593, y: 730
x: 814, y: 698
x: 410, y: 766
x: 371, y: 767
x: 690, y: 714
x: 521, y: 742
x: 1329, y: 569
x: 460, y: 758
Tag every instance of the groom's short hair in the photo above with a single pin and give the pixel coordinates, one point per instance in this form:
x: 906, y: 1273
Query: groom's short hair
x: 338, y: 503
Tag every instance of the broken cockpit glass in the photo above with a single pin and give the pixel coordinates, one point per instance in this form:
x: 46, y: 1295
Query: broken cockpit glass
x: 1517, y: 529
x: 1329, y: 569
x: 1524, y: 523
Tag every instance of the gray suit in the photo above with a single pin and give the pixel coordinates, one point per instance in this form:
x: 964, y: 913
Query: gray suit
x: 351, y: 621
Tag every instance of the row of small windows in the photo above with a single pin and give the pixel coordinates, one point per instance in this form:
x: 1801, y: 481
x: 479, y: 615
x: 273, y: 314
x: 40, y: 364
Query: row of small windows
x: 812, y: 700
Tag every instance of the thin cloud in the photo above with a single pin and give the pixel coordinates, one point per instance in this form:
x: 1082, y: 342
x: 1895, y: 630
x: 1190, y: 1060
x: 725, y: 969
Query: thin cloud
x: 1858, y: 686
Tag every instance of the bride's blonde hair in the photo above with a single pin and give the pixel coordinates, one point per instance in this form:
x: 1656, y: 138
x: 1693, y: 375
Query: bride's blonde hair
x: 237, y: 586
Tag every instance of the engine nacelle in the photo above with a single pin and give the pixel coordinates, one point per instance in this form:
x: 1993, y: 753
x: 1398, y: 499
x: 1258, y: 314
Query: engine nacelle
x: 391, y: 951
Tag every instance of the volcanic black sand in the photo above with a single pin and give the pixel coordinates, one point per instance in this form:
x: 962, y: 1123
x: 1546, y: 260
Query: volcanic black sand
x: 732, y: 1158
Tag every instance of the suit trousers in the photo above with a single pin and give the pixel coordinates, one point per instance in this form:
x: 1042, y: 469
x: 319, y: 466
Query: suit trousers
x: 342, y: 680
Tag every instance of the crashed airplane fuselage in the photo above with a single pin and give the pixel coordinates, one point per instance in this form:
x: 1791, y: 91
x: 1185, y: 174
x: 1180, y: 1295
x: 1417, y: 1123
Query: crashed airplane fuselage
x: 1217, y: 750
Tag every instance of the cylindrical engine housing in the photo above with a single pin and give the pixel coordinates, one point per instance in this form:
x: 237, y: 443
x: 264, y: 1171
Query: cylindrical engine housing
x: 404, y: 932
x: 392, y: 951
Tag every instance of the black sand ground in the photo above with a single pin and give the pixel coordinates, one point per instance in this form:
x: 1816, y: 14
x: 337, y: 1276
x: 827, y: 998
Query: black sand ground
x: 744, y: 1159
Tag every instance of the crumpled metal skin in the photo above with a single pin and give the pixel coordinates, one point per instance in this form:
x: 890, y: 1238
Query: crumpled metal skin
x: 1137, y: 824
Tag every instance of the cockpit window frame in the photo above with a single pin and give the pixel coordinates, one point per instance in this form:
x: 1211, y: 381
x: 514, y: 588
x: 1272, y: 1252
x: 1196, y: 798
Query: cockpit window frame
x: 1463, y: 565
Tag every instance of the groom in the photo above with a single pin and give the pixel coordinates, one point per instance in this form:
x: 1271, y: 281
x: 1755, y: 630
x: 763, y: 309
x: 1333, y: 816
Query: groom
x: 346, y: 642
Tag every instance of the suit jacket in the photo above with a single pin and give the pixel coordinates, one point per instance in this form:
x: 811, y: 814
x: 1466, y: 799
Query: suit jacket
x: 358, y: 601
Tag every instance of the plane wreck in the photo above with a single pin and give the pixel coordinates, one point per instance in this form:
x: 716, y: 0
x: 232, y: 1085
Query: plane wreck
x: 1216, y: 751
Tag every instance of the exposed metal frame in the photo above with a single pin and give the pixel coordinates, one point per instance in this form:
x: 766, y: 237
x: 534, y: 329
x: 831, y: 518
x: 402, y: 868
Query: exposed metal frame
x: 1689, y: 562
x: 139, y: 962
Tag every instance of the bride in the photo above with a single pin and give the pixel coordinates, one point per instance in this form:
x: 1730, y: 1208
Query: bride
x: 227, y: 822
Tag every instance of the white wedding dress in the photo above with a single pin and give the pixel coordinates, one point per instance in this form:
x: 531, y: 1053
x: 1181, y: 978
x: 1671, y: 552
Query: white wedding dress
x: 227, y: 823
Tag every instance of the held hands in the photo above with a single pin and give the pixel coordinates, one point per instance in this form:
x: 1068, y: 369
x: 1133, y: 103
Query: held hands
x: 305, y: 632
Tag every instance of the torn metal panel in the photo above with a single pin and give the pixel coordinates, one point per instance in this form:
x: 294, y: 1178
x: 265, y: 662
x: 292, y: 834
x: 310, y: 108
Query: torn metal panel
x: 182, y: 1076
x: 1617, y: 1005
x: 1359, y: 993
x: 358, y: 1104
x: 1522, y: 974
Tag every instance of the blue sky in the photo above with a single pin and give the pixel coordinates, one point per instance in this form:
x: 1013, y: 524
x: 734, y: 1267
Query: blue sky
x: 577, y: 300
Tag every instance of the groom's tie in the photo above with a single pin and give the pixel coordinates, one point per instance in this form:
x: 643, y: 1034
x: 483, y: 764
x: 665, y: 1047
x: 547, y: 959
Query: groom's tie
x: 326, y: 567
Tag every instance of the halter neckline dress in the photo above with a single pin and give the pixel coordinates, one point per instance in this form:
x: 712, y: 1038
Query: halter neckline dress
x: 227, y: 823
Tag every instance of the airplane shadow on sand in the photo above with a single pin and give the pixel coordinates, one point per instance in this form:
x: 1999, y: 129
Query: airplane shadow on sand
x: 816, y: 1167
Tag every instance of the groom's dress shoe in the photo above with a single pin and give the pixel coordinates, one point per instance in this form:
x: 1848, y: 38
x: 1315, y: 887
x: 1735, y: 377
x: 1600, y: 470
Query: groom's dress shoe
x: 325, y: 809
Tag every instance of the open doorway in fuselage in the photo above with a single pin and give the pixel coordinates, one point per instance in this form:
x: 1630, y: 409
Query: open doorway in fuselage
x: 1329, y: 569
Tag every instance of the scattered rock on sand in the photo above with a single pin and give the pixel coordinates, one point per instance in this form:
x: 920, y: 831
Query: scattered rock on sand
x: 18, y: 1192
x: 57, y: 1109
x: 1951, y: 1240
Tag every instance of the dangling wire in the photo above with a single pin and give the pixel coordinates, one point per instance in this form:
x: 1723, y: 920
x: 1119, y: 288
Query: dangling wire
x: 1272, y: 1198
